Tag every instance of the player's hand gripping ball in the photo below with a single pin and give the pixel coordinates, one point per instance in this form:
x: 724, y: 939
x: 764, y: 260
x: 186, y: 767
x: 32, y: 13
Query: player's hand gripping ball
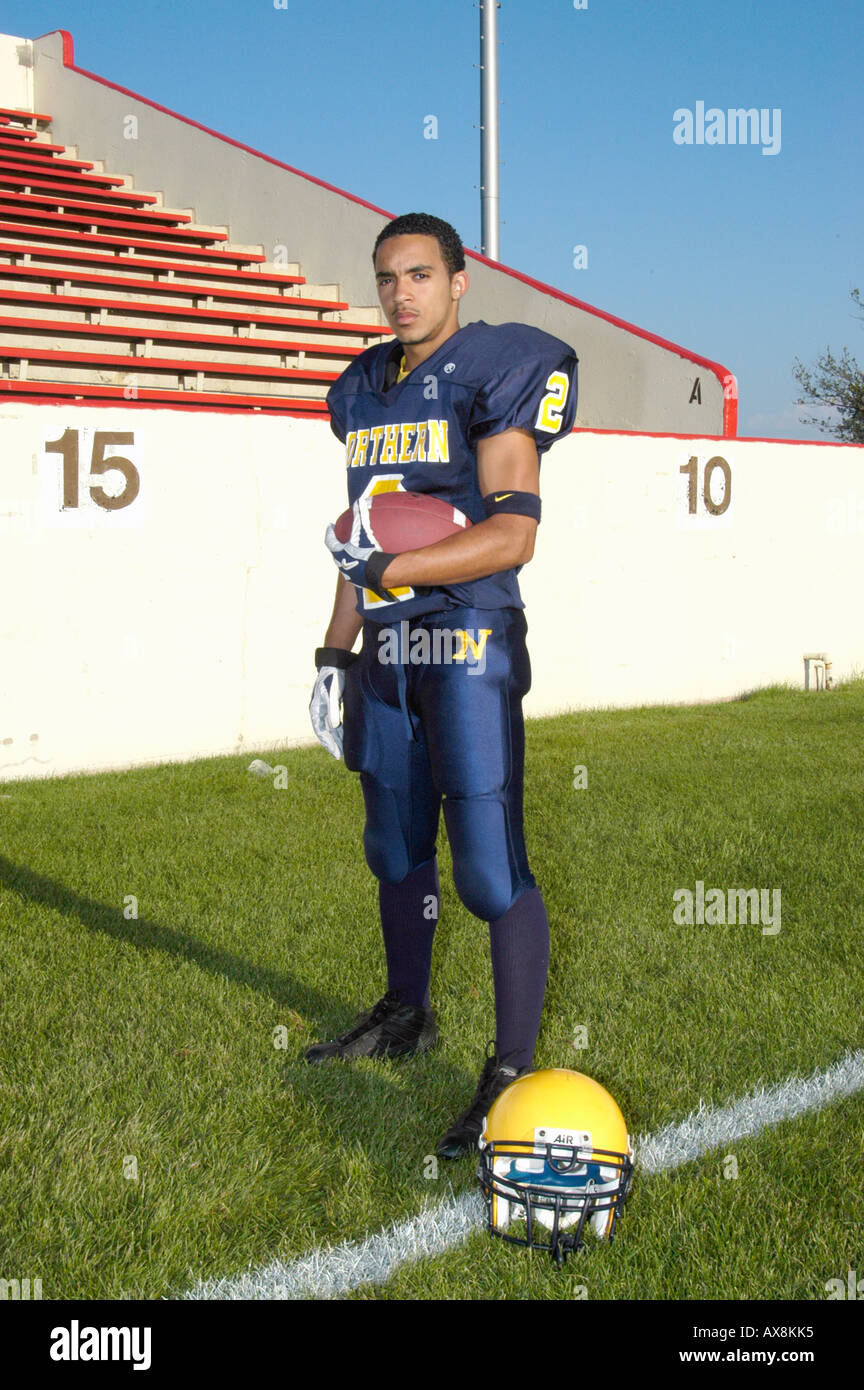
x: 352, y: 556
x: 386, y: 524
x: 406, y: 520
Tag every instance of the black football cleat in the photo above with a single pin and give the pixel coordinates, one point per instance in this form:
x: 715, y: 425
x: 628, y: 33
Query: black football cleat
x: 461, y: 1138
x: 390, y: 1029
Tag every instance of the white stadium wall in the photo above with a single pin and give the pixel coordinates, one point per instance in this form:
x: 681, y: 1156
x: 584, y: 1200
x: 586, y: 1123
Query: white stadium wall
x: 184, y: 623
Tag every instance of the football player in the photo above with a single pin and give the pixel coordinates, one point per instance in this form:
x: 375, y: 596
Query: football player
x: 463, y: 414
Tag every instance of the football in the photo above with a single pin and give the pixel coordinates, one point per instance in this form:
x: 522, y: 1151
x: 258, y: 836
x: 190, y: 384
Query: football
x: 407, y: 520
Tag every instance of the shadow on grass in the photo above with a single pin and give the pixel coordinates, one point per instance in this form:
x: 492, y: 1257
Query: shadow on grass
x: 147, y: 935
x: 392, y: 1109
x: 385, y: 1107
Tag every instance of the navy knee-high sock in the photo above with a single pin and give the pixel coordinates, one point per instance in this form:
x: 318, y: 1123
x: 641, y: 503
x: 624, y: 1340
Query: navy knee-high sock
x: 409, y: 915
x: 520, y: 963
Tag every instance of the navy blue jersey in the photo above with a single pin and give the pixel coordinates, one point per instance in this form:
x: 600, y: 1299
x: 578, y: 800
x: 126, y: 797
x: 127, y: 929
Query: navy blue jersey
x: 421, y: 434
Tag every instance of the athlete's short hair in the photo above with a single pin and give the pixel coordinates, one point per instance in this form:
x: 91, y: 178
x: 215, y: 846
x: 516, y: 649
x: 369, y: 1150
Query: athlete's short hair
x: 424, y: 224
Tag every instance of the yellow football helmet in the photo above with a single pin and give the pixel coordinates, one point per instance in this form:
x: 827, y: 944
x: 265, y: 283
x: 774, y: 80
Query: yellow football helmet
x: 554, y: 1153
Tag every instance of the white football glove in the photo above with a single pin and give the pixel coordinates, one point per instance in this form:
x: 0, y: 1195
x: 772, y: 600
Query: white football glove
x: 325, y: 707
x: 360, y: 559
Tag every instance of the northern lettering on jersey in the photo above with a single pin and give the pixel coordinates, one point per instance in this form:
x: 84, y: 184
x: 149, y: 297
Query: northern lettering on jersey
x: 400, y: 436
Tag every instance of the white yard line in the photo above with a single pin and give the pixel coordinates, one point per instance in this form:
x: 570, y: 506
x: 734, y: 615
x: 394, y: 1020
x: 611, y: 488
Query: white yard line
x: 337, y: 1269
x: 707, y: 1128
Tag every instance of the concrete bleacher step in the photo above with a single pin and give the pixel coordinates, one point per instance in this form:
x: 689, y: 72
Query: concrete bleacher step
x: 369, y: 314
x: 89, y: 210
x: 147, y: 374
x: 29, y: 250
x: 55, y: 230
x: 136, y: 340
x: 58, y: 337
x: 64, y: 304
x: 31, y: 118
x: 65, y: 281
x: 63, y: 268
x: 284, y: 268
x: 10, y: 177
x: 104, y: 394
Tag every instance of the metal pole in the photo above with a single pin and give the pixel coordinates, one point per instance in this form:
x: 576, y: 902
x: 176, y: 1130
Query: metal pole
x: 489, y: 213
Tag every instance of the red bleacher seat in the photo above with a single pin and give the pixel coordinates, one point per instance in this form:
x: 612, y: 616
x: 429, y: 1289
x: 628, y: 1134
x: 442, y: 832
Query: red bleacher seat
x: 68, y: 229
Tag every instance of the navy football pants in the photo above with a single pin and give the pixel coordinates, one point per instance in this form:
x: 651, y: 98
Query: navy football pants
x: 423, y: 731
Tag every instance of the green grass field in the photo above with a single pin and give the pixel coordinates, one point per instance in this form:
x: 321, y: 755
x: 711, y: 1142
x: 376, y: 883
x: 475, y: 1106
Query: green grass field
x: 157, y: 1125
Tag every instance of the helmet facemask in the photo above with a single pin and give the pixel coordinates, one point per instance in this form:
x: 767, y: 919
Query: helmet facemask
x: 557, y: 1191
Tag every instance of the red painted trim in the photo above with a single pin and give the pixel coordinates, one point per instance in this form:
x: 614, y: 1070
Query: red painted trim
x: 730, y: 406
x: 310, y: 413
x: 187, y: 120
x: 27, y: 115
x: 724, y: 376
x: 722, y: 438
x: 143, y: 404
x: 68, y: 47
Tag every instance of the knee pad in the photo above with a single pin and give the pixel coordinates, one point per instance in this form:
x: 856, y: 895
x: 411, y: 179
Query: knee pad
x: 488, y: 872
x: 385, y: 849
x: 399, y: 834
x: 482, y: 892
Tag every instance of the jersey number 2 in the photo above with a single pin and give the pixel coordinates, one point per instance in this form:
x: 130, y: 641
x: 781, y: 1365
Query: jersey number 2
x: 552, y: 404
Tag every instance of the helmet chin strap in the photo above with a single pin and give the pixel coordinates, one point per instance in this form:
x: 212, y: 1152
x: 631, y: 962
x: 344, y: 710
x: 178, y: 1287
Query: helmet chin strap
x: 565, y: 1242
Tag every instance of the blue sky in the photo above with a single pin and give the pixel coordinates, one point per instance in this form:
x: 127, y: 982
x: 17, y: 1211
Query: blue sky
x: 745, y: 257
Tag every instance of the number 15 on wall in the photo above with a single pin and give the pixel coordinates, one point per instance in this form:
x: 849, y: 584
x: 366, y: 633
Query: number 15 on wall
x: 90, y: 478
